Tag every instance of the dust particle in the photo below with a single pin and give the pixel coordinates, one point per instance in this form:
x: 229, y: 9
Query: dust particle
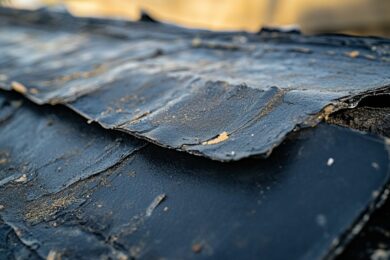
x: 157, y: 200
x: 22, y: 179
x: 1, y: 207
x: 18, y: 87
x: 34, y: 91
x: 321, y: 220
x: 3, y: 160
x: 197, y: 248
x: 330, y: 162
x: 380, y: 254
x: 220, y: 138
x: 325, y: 113
x: 122, y: 256
x: 196, y: 42
x: 352, y: 54
x: 53, y: 255
x: 375, y: 165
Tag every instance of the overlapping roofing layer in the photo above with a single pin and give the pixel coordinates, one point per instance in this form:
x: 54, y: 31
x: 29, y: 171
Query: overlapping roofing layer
x: 225, y: 96
x: 72, y: 187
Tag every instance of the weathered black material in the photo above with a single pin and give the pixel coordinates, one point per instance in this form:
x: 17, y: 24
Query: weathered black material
x: 30, y: 151
x: 158, y: 203
x: 221, y: 95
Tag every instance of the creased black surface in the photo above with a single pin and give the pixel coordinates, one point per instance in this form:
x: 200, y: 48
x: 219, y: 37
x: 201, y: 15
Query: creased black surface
x: 182, y: 88
x: 37, y: 154
x: 158, y: 203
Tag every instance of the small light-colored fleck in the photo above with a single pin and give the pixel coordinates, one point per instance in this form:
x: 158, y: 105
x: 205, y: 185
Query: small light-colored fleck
x: 220, y: 138
x: 375, y: 165
x: 22, y: 178
x: 34, y: 91
x: 353, y: 54
x: 330, y: 162
x: 157, y: 200
x: 197, y: 248
x: 132, y: 174
x: 122, y: 256
x: 329, y: 109
x: 196, y: 42
x: 375, y: 194
x: 1, y: 207
x: 53, y: 255
x: 166, y: 209
x: 370, y: 57
x: 3, y: 160
x: 18, y: 87
x: 380, y: 254
x: 321, y: 220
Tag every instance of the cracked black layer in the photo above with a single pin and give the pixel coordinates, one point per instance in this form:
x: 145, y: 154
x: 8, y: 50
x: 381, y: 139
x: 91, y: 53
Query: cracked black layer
x: 41, y: 155
x: 159, y: 203
x: 184, y: 89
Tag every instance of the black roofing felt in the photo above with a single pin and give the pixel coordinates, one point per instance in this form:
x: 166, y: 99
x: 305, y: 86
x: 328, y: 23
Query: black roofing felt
x: 151, y: 202
x: 70, y: 188
x: 225, y: 96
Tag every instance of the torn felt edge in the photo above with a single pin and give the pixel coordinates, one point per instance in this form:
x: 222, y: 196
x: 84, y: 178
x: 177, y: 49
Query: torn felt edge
x: 346, y: 102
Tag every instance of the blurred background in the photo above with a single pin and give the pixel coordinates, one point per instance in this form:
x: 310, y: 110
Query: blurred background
x: 358, y: 17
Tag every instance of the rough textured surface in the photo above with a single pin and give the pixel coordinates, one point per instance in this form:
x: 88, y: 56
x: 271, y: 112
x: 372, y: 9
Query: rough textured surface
x: 372, y: 115
x: 37, y: 154
x: 184, y: 88
x: 158, y: 203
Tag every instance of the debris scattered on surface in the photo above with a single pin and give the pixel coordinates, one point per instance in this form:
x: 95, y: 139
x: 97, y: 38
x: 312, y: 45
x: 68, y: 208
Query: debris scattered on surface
x: 380, y: 254
x: 21, y: 179
x: 326, y: 112
x: 220, y: 138
x: 330, y: 162
x: 34, y: 91
x: 274, y: 97
x: 132, y: 174
x: 41, y: 211
x: 230, y: 89
x: 375, y: 165
x: 353, y: 54
x: 53, y: 255
x: 157, y: 200
x: 197, y: 248
x: 321, y: 220
x: 18, y: 87
x: 63, y: 213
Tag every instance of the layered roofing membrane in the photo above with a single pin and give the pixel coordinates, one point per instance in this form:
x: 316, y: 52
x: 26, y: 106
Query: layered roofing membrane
x: 79, y: 191
x: 225, y: 96
x: 71, y: 187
